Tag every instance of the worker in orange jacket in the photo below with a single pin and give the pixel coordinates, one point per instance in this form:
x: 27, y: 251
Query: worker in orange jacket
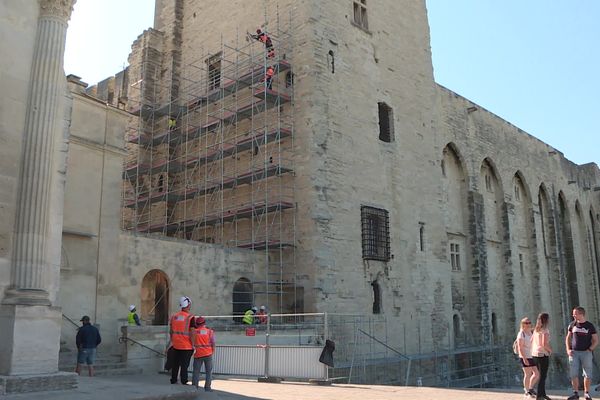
x: 203, y: 339
x: 181, y: 340
x: 269, y: 73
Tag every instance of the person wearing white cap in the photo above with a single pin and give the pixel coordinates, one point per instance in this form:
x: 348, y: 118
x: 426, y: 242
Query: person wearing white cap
x: 132, y: 317
x: 180, y: 331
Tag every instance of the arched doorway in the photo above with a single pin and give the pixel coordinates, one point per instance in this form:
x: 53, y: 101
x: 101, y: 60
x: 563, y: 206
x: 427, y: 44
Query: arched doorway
x: 155, y: 297
x: 242, y: 297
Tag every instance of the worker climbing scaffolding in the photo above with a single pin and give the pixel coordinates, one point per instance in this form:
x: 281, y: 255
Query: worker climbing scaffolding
x: 262, y: 37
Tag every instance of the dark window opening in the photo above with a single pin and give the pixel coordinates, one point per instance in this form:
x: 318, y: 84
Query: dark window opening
x: 289, y: 79
x: 494, y: 328
x: 161, y: 184
x: 331, y: 59
x: 242, y: 298
x: 376, y: 297
x: 375, y: 225
x: 214, y: 72
x: 422, y: 237
x: 360, y: 14
x: 386, y: 122
x: 456, y: 326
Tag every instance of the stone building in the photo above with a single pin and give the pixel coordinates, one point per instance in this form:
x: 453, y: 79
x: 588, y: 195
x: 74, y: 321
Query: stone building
x: 354, y: 184
x: 409, y: 200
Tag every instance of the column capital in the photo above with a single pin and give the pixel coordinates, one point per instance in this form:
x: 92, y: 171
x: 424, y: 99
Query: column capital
x: 57, y: 8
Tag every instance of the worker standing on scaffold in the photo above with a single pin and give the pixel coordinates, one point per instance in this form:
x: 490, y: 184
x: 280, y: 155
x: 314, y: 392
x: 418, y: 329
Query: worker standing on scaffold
x: 269, y: 77
x: 266, y: 39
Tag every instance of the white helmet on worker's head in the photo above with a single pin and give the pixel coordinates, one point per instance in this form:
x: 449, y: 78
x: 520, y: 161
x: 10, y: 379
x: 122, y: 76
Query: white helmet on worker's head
x: 132, y: 307
x: 254, y: 309
x: 184, y: 302
x: 263, y: 307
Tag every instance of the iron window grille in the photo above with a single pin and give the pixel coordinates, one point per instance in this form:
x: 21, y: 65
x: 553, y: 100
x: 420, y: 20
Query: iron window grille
x: 375, y: 224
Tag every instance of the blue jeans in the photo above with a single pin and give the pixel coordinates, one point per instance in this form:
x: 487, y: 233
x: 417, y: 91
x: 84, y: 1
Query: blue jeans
x: 86, y: 356
x: 207, y: 369
x: 581, y: 359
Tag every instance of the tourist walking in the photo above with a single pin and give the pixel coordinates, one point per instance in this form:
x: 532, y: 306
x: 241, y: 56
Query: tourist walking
x: 87, y: 339
x: 530, y: 371
x: 181, y: 341
x: 203, y: 339
x: 580, y: 342
x: 541, y: 351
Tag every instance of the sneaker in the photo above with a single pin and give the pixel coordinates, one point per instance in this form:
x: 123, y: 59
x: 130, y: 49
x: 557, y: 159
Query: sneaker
x: 574, y: 396
x: 587, y: 396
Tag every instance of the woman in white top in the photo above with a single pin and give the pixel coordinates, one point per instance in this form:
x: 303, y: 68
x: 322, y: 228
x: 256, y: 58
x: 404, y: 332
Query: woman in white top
x: 541, y: 350
x: 530, y: 371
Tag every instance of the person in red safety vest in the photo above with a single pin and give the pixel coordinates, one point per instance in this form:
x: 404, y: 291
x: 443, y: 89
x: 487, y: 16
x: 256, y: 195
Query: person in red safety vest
x: 264, y: 38
x: 181, y: 340
x: 203, y: 339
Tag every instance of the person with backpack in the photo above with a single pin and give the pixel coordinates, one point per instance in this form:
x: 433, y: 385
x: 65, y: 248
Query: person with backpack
x: 522, y: 347
x: 541, y: 350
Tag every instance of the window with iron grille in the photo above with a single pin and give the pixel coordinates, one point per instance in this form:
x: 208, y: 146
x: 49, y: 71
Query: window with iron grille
x: 375, y: 224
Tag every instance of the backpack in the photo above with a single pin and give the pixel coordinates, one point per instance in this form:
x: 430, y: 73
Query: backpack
x: 515, y: 346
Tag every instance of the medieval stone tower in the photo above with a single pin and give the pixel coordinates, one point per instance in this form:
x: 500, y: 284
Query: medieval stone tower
x: 367, y: 188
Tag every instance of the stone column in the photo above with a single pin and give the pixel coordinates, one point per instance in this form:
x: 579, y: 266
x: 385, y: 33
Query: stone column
x: 29, y: 325
x: 45, y: 93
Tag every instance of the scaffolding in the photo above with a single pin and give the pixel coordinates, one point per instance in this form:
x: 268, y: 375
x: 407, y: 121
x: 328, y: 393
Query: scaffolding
x: 210, y: 157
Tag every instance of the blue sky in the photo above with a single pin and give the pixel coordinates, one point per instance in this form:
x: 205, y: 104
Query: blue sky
x: 535, y: 63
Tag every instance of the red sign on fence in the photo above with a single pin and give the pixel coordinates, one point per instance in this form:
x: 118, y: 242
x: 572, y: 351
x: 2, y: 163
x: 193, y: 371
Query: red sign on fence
x: 250, y: 331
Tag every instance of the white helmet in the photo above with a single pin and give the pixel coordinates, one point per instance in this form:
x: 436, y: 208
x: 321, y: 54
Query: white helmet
x: 263, y: 308
x: 184, y: 302
x: 132, y: 307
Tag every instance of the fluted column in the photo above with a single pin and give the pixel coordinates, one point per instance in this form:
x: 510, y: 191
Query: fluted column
x: 45, y: 92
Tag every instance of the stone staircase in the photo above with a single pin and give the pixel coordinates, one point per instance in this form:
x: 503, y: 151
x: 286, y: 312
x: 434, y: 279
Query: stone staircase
x: 106, y: 364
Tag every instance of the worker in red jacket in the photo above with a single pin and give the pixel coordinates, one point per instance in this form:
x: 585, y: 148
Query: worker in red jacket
x: 266, y: 39
x: 181, y: 340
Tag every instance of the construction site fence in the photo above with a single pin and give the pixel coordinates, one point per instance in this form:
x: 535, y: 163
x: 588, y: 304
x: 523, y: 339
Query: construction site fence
x: 288, y: 346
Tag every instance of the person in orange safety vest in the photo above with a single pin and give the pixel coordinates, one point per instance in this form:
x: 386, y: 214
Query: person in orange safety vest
x: 203, y: 339
x: 269, y: 73
x: 181, y: 340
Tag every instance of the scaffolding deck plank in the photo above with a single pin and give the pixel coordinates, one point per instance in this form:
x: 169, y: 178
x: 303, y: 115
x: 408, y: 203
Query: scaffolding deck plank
x: 241, y: 212
x: 242, y: 145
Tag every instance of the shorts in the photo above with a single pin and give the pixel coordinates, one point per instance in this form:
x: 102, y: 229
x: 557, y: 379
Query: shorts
x: 579, y: 359
x: 530, y: 361
x: 86, y: 356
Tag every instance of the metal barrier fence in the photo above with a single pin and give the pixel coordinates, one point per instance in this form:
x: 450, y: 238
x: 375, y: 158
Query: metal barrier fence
x: 288, y: 346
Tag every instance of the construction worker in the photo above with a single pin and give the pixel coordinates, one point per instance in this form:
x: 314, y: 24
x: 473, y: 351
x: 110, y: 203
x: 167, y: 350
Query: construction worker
x: 181, y: 340
x: 249, y: 316
x: 269, y: 73
x: 262, y: 315
x: 264, y: 38
x: 203, y: 339
x: 172, y: 124
x: 132, y: 317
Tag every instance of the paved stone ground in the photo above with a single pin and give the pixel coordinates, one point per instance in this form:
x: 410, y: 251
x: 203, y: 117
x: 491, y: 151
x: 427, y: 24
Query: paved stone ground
x: 158, y: 388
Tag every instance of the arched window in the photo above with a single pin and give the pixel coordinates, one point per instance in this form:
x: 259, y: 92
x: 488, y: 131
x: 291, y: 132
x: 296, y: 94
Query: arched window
x: 155, y: 298
x: 241, y: 297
